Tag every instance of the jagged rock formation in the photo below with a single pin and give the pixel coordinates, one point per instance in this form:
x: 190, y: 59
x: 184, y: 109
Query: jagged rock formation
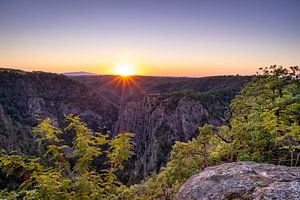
x: 157, y: 124
x: 158, y: 121
x: 243, y: 180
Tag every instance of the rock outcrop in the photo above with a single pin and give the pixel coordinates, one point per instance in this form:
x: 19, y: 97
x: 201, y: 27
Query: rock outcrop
x: 243, y: 180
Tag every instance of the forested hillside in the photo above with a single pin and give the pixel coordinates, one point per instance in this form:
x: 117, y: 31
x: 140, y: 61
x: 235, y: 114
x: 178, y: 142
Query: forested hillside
x: 26, y: 96
x: 122, y: 90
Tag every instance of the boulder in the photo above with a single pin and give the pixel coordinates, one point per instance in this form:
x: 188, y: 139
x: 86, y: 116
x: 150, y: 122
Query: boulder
x: 243, y: 180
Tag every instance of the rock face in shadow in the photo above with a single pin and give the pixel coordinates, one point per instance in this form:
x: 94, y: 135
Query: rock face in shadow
x: 157, y: 122
x: 243, y: 180
x: 157, y: 127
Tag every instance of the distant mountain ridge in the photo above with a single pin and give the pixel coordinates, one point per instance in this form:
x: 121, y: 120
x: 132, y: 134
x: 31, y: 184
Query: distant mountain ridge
x: 81, y: 73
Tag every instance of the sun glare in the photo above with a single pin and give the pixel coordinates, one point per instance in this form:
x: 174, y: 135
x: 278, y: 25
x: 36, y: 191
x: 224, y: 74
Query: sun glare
x: 125, y: 69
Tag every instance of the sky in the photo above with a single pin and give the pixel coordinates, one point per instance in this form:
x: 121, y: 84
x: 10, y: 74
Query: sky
x: 155, y: 37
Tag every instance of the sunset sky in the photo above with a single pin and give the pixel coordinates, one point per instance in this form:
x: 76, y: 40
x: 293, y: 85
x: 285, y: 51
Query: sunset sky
x: 156, y: 37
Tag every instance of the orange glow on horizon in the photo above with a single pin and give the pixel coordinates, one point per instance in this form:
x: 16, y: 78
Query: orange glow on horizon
x: 125, y: 69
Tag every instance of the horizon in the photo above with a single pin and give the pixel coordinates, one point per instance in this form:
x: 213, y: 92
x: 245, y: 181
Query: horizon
x: 133, y: 75
x: 157, y: 38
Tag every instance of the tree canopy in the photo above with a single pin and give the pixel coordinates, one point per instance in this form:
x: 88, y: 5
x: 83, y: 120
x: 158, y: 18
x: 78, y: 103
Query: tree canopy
x: 55, y: 176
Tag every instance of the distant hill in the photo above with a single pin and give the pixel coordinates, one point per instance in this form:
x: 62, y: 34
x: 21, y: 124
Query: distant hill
x: 121, y: 91
x: 81, y: 73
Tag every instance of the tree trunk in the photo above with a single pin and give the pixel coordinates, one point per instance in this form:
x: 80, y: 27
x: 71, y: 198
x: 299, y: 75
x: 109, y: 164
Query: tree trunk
x: 292, y: 158
x: 205, y: 156
x: 297, y: 160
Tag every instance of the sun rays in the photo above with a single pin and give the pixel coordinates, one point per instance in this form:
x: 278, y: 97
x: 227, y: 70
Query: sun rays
x: 123, y: 86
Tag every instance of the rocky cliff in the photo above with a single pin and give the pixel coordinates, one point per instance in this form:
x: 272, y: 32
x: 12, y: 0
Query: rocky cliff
x: 244, y: 180
x: 159, y: 120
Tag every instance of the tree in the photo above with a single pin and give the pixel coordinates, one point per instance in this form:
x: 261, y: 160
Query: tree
x: 205, y: 134
x: 54, y: 176
x: 266, y: 116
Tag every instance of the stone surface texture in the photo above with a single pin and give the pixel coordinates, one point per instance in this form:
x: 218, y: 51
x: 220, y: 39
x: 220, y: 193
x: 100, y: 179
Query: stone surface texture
x: 243, y: 180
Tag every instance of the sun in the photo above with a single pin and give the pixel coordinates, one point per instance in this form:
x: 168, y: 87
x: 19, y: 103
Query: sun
x: 125, y: 69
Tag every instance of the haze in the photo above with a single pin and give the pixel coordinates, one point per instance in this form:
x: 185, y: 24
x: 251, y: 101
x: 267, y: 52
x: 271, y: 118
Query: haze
x: 164, y: 37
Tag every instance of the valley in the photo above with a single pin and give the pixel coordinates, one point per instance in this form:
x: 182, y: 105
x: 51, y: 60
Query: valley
x: 158, y: 110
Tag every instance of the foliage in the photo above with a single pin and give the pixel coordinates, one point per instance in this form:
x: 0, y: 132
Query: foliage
x: 54, y: 177
x: 266, y: 117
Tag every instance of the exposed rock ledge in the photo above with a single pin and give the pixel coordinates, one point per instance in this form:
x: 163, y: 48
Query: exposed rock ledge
x: 243, y: 180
